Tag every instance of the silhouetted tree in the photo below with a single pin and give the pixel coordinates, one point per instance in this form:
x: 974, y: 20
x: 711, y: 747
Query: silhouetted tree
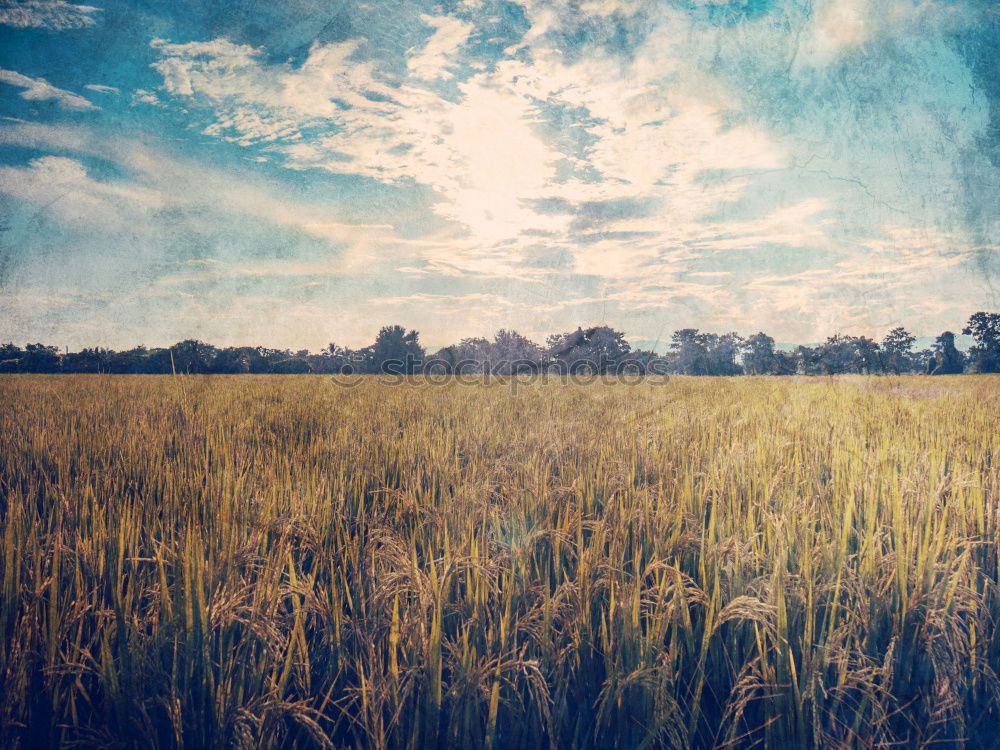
x: 836, y: 356
x: 158, y: 361
x: 644, y: 362
x: 600, y: 349
x: 192, y: 356
x: 88, y: 361
x: 896, y: 351
x: 868, y: 356
x: 396, y: 351
x: 296, y: 365
x: 335, y: 359
x: 10, y: 358
x: 40, y: 358
x: 758, y: 354
x: 761, y: 358
x: 509, y: 351
x: 947, y: 359
x: 595, y: 350
x: 131, y: 361
x: 473, y: 355
x: 235, y: 360
x: 920, y: 361
x: 722, y: 352
x: 694, y: 353
x: 808, y: 358
x: 513, y: 352
x: 442, y: 362
x: 688, y: 353
x: 984, y: 327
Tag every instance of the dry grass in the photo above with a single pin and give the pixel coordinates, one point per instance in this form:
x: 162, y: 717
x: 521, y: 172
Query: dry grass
x: 276, y: 562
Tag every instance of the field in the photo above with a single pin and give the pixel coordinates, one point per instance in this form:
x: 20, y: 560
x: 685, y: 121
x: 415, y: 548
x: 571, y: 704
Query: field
x: 208, y: 562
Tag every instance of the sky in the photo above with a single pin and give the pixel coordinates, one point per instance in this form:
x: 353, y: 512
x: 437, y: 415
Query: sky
x: 296, y: 173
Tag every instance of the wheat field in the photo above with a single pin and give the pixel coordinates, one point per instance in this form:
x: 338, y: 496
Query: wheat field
x: 272, y: 562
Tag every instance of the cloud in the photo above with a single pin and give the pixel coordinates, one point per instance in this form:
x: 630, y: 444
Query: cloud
x: 102, y: 89
x: 61, y: 187
x: 840, y: 26
x: 158, y: 182
x: 143, y: 96
x: 56, y: 15
x: 911, y: 254
x: 432, y: 61
x: 487, y: 151
x: 611, y: 160
x: 38, y: 89
x: 357, y: 123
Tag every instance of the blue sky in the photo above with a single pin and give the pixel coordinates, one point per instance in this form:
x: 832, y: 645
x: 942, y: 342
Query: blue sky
x: 296, y: 173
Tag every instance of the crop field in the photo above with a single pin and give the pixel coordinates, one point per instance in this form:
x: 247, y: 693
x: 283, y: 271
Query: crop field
x: 276, y: 561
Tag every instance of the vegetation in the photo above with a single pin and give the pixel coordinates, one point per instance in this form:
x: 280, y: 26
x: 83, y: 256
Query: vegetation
x: 279, y: 562
x: 597, y: 350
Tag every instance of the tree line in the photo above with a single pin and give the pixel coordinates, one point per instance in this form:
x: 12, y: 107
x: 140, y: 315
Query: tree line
x: 595, y: 350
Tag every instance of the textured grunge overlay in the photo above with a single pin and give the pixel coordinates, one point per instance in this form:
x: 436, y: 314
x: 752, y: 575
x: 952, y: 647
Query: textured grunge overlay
x: 290, y: 173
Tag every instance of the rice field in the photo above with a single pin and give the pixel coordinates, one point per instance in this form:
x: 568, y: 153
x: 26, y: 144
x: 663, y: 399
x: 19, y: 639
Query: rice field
x: 278, y: 562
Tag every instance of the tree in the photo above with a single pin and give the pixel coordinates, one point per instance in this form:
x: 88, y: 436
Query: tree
x: 158, y: 361
x: 596, y: 350
x: 132, y: 361
x: 643, y: 362
x: 335, y: 359
x: 396, y: 351
x: 758, y: 354
x: 697, y: 353
x: 40, y: 358
x: 808, y: 358
x: 10, y: 358
x: 88, y: 360
x: 947, y: 359
x: 192, y: 356
x: 722, y: 352
x: 921, y: 360
x: 442, y: 362
x: 514, y: 353
x: 985, y: 328
x: 235, y: 360
x: 897, y: 347
x: 473, y: 355
x: 688, y: 353
x: 295, y: 365
x: 869, y: 356
x: 761, y: 358
x: 837, y: 355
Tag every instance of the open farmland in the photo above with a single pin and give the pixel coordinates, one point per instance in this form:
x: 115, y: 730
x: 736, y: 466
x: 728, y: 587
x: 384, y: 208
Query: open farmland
x: 281, y: 562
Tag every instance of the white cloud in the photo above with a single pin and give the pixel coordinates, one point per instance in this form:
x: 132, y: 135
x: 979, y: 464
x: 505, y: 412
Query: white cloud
x: 143, y: 96
x: 486, y: 153
x: 842, y: 24
x: 652, y: 130
x: 802, y: 224
x: 374, y: 129
x: 839, y: 26
x: 57, y: 15
x: 61, y: 137
x: 63, y: 187
x: 102, y: 89
x: 38, y: 89
x: 431, y: 62
x: 910, y: 254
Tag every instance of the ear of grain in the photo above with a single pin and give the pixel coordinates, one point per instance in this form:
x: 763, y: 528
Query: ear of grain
x: 276, y: 562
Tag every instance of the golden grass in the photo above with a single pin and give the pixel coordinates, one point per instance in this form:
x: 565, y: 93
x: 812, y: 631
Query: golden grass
x: 278, y: 562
